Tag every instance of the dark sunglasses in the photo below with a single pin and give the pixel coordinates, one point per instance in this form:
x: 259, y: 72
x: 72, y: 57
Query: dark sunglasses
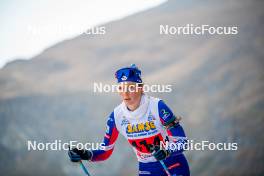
x: 127, y: 72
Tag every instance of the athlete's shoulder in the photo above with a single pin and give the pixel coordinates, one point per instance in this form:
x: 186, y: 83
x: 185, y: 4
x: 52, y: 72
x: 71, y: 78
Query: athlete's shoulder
x: 165, y: 113
x: 158, y: 102
x: 154, y: 99
x: 115, y: 113
x: 111, y: 117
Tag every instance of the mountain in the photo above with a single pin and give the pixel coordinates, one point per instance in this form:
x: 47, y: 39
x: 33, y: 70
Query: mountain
x: 217, y: 86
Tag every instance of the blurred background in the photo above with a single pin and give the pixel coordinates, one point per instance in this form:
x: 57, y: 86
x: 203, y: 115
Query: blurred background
x: 217, y: 84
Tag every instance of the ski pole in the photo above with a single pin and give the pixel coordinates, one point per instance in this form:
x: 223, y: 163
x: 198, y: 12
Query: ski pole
x: 84, y: 168
x: 165, y: 168
x: 152, y: 150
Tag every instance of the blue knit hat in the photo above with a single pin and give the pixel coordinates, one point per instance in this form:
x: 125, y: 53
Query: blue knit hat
x: 131, y: 74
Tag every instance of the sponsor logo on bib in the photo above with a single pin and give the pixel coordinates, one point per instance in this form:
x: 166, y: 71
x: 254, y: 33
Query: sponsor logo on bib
x: 140, y: 127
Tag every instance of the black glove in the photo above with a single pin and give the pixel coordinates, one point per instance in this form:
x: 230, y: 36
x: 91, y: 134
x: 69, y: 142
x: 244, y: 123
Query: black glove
x: 79, y: 154
x: 158, y: 153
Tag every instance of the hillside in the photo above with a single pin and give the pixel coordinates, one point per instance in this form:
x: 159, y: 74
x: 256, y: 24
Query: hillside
x: 217, y: 87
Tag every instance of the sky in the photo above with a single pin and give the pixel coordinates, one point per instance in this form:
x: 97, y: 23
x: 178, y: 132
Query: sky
x: 28, y: 27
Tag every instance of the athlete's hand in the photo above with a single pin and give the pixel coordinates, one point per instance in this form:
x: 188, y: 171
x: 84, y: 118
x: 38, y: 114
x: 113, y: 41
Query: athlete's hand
x: 158, y: 153
x: 79, y: 154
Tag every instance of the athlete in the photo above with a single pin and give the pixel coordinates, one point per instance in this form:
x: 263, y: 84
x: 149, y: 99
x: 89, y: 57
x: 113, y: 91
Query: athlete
x: 148, y: 124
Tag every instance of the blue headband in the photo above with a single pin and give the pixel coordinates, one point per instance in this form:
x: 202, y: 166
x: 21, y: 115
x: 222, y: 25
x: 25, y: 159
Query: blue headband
x: 131, y: 74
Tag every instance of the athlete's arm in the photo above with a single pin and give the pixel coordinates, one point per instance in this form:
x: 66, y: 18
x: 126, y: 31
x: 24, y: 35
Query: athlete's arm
x: 109, y: 141
x: 171, y: 123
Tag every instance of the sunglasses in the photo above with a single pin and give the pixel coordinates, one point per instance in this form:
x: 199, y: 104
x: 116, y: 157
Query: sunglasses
x: 127, y: 72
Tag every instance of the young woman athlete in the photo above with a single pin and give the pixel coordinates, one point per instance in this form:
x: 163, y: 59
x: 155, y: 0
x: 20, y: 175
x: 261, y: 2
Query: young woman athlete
x: 145, y: 122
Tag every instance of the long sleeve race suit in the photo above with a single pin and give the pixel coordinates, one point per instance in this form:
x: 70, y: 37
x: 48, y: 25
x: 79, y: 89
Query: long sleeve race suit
x: 151, y: 123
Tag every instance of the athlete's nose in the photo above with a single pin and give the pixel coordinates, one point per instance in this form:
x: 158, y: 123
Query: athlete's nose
x: 126, y: 95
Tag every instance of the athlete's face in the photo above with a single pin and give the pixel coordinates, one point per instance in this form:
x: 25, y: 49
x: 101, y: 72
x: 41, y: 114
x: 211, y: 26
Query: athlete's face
x: 131, y: 94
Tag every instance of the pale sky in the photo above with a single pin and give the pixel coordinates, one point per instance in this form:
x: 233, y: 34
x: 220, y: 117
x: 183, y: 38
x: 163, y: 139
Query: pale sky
x: 28, y: 27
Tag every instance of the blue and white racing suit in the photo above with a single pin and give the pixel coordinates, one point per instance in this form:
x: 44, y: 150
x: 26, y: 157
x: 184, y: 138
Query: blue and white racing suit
x: 142, y: 127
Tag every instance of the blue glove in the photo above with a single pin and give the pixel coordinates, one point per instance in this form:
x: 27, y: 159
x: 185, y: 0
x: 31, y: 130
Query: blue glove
x: 79, y: 154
